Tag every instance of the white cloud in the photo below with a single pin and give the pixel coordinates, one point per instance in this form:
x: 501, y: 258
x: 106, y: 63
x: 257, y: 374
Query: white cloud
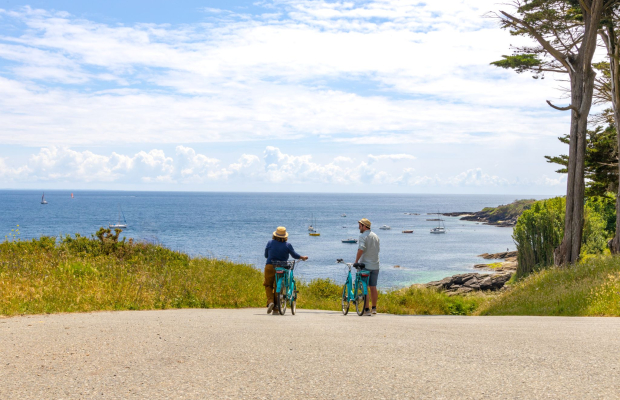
x: 392, y: 157
x: 189, y: 168
x: 341, y: 71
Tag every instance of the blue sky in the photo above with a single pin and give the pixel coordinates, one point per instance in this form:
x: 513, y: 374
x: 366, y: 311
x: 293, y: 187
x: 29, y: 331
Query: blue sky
x: 294, y: 95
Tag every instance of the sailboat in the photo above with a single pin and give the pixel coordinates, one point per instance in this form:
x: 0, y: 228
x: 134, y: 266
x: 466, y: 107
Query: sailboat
x: 71, y: 195
x: 43, y: 201
x: 119, y: 225
x: 439, y: 228
x: 314, y: 231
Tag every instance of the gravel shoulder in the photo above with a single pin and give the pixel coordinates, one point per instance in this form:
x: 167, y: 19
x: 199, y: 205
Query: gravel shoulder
x: 246, y: 353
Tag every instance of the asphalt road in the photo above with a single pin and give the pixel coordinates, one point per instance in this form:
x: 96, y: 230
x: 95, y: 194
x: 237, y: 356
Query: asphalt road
x: 246, y: 353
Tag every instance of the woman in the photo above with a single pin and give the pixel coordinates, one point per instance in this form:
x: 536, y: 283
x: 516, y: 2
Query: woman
x: 277, y: 249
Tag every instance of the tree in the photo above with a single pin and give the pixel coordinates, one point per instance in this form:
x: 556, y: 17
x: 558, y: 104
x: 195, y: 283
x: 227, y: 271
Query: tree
x: 565, y: 32
x: 601, y: 161
x: 610, y: 85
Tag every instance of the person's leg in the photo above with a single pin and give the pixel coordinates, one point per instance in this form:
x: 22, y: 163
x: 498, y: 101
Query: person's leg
x: 372, y: 284
x: 374, y: 295
x: 270, y: 278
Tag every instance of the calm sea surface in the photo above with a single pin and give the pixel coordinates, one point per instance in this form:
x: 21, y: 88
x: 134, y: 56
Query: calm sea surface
x: 238, y: 225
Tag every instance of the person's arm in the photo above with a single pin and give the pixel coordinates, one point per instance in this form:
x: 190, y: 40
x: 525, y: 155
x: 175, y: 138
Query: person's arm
x: 294, y: 254
x: 361, y: 248
x: 267, y: 250
x: 359, y: 254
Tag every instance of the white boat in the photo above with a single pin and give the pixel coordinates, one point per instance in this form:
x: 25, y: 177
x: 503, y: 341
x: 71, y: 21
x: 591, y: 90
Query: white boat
x: 439, y: 228
x: 385, y: 227
x: 343, y: 215
x: 119, y: 225
x: 43, y: 201
x: 349, y: 240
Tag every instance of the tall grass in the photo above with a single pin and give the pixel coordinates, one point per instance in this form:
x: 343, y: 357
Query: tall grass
x: 41, y: 276
x: 591, y: 288
x: 324, y: 294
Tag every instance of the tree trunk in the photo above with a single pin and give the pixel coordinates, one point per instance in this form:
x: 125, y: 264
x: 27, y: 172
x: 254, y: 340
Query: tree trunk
x: 582, y: 88
x: 611, y: 42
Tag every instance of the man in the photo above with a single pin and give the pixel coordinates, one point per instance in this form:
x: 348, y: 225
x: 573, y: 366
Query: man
x: 368, y: 253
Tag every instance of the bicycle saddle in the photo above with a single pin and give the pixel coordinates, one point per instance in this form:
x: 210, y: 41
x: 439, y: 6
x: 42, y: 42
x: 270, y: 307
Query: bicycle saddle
x: 359, y: 265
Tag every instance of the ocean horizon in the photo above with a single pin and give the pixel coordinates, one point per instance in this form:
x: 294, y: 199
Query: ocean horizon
x: 237, y: 225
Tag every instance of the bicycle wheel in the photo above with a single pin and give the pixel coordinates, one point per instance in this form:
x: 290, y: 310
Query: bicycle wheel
x: 360, y: 299
x: 293, y: 300
x: 282, y: 300
x: 345, y: 300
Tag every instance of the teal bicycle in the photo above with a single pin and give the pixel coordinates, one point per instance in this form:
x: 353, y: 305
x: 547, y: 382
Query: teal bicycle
x: 356, y: 291
x: 286, y: 287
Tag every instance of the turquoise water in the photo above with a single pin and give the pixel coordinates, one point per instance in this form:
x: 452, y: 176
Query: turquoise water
x: 238, y: 225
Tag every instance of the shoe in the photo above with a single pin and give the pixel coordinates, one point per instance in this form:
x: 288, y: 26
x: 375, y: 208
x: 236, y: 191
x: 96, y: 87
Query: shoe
x: 367, y: 312
x: 374, y: 311
x: 270, y: 308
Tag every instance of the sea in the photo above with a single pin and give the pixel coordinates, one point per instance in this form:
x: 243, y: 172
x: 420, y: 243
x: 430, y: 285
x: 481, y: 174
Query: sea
x: 237, y: 226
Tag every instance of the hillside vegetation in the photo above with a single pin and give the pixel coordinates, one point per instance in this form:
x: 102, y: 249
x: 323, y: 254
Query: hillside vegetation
x: 81, y: 274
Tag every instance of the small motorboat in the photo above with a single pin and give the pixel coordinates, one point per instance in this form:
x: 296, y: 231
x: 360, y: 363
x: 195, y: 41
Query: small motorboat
x: 314, y: 234
x: 407, y: 230
x: 349, y: 240
x: 343, y: 215
x: 385, y: 227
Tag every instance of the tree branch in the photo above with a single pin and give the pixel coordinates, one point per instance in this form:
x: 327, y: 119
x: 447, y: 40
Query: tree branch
x: 544, y: 43
x: 585, y: 7
x: 570, y: 107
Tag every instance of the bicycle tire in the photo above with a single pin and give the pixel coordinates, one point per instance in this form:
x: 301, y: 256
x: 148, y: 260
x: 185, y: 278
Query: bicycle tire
x: 360, y: 299
x: 293, y: 301
x: 346, y: 303
x: 282, y: 300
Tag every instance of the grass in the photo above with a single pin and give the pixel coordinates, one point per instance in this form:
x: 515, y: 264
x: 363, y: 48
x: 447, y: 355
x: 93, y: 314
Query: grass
x: 590, y: 288
x: 81, y: 274
x: 42, y: 276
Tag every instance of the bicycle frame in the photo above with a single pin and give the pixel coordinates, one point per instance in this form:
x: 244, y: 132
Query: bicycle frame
x: 361, y: 278
x: 286, y: 286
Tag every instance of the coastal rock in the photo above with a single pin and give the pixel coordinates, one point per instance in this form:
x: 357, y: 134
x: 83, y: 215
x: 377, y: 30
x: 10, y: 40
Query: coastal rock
x: 499, y: 256
x: 464, y: 283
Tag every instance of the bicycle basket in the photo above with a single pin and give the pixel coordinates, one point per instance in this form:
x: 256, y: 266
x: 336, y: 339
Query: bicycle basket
x: 284, y: 264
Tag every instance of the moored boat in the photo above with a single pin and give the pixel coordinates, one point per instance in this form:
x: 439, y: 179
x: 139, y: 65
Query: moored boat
x: 349, y: 240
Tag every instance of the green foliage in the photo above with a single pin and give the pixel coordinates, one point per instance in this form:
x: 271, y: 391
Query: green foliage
x: 80, y: 274
x: 506, y: 212
x: 540, y: 230
x: 537, y: 233
x: 590, y: 288
x: 519, y: 62
x: 601, y: 161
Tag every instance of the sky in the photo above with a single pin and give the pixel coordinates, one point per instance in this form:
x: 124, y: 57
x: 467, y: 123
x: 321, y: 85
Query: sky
x: 385, y: 96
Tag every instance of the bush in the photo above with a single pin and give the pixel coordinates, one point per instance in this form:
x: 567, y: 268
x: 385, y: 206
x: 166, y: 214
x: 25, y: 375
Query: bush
x: 540, y: 230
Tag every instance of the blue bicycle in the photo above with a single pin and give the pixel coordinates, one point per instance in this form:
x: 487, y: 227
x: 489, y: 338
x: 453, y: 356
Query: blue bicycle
x: 356, y: 291
x: 286, y: 287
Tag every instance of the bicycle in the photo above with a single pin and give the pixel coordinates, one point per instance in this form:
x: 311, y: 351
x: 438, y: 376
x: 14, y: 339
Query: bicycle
x: 356, y: 291
x: 286, y: 287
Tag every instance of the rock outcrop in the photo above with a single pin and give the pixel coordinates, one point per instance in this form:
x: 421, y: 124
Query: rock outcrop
x: 465, y: 283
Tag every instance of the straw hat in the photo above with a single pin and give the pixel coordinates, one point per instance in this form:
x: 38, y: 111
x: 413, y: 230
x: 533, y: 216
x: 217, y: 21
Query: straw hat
x: 281, y: 232
x: 365, y: 222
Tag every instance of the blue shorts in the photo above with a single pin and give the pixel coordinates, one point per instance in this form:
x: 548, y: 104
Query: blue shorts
x: 374, y: 275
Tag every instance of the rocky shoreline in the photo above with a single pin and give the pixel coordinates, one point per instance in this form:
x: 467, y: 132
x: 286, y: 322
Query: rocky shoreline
x: 482, y: 217
x: 470, y: 282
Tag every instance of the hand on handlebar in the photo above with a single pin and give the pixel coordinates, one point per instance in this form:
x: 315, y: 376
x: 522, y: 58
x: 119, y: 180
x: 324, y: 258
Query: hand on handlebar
x: 303, y: 258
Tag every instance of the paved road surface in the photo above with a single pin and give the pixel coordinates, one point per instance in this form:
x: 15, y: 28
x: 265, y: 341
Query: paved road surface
x: 315, y: 354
